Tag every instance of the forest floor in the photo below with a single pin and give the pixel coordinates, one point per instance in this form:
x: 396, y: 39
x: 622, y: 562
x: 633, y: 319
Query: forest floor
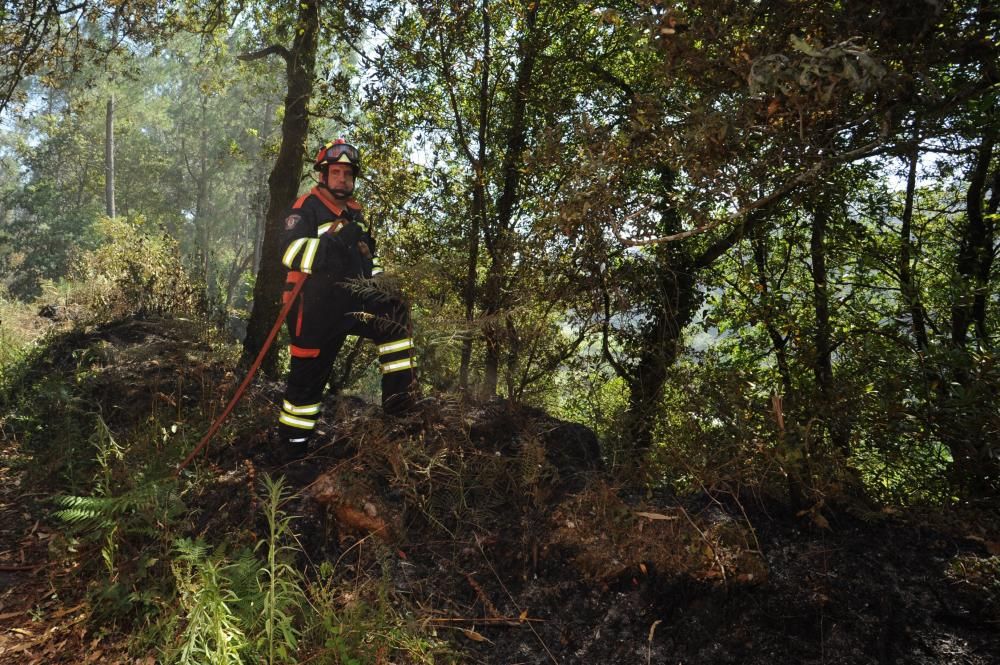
x: 490, y: 529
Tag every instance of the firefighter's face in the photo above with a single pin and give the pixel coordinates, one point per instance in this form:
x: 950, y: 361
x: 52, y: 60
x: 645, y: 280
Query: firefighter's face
x: 340, y: 179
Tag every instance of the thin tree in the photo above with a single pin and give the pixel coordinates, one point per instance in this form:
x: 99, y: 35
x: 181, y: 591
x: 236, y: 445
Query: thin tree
x: 109, y: 157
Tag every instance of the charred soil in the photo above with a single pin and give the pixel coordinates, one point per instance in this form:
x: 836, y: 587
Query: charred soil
x: 492, y: 527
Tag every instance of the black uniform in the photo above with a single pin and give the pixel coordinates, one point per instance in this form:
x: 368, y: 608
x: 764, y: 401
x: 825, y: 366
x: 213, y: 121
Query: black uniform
x: 320, y: 244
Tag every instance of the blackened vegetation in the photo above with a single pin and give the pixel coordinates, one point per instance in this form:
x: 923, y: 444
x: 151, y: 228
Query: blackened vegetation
x: 496, y: 526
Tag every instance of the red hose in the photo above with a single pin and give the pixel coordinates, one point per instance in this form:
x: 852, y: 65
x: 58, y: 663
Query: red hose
x: 246, y: 381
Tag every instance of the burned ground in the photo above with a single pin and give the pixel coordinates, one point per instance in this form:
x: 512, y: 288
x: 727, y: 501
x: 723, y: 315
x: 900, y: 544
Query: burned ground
x: 492, y: 527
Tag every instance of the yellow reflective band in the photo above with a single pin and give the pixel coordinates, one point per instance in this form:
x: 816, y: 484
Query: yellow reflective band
x: 309, y: 410
x: 309, y: 255
x: 398, y: 345
x: 324, y: 227
x: 292, y: 251
x: 292, y: 421
x: 398, y: 365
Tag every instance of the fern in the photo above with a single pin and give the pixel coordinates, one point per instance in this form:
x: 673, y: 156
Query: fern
x: 116, y: 519
x: 380, y: 288
x: 241, y: 575
x: 106, y: 511
x: 108, y: 452
x: 90, y: 510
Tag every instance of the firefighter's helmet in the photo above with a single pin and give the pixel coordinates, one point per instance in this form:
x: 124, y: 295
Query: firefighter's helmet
x: 338, y: 151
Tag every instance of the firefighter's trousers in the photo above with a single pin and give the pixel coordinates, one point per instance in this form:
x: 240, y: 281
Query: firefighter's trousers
x: 318, y: 325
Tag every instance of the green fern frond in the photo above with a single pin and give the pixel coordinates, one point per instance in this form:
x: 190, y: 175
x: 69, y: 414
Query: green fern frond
x: 379, y: 288
x: 99, y: 511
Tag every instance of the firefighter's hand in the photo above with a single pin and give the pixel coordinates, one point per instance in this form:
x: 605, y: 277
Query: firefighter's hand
x: 364, y: 249
x: 369, y: 240
x: 348, y: 236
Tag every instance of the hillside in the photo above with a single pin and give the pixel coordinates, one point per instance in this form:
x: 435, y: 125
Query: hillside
x: 472, y: 533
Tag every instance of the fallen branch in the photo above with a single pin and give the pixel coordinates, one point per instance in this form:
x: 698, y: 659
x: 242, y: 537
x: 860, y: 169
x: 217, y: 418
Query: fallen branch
x: 488, y: 605
x: 708, y: 542
x: 43, y: 638
x: 504, y: 621
x: 16, y: 569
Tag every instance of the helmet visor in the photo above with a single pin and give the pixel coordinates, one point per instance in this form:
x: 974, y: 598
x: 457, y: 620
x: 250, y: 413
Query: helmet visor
x: 340, y: 152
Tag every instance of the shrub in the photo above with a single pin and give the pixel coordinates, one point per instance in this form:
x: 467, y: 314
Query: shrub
x: 136, y: 271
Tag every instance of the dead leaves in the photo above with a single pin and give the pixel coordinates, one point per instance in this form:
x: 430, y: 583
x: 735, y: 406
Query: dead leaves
x: 814, y: 513
x: 474, y: 636
x: 41, y: 647
x: 655, y: 516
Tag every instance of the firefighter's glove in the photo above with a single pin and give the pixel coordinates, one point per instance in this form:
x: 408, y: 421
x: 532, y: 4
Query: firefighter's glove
x: 348, y: 236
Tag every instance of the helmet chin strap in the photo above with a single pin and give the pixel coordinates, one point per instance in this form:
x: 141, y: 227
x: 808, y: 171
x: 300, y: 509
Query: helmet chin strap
x: 337, y: 192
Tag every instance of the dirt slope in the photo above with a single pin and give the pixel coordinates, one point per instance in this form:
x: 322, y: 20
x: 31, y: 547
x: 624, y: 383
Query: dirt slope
x: 490, y: 525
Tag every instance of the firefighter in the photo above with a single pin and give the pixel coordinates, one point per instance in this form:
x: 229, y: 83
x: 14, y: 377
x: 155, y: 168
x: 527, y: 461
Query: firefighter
x: 326, y: 243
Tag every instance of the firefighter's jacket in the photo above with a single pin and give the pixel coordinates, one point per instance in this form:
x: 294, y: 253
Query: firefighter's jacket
x: 320, y: 240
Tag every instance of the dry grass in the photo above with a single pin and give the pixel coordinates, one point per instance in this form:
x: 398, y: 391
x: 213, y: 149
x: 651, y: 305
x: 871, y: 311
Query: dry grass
x: 20, y: 324
x: 476, y: 475
x: 25, y: 324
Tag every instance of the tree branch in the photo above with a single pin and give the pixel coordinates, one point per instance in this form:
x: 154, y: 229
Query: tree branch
x: 263, y: 53
x: 76, y: 7
x: 712, y: 252
x: 619, y: 368
x: 453, y: 102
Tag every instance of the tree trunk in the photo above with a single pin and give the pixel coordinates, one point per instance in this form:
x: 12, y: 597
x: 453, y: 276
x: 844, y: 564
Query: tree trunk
x: 975, y: 257
x: 238, y: 266
x: 660, y: 348
x: 965, y: 416
x: 907, y: 286
x: 677, y: 299
x: 478, y: 216
x: 201, y: 218
x: 674, y: 301
x: 109, y: 157
x: 778, y: 341
x: 471, y: 278
x: 498, y: 241
x: 259, y: 198
x: 987, y: 256
x: 798, y: 464
x: 259, y: 203
x: 283, y: 183
x: 492, y: 304
x: 823, y: 336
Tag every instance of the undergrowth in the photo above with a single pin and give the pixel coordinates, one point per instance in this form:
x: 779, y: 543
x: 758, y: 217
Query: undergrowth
x: 106, y: 413
x: 195, y: 600
x: 101, y: 418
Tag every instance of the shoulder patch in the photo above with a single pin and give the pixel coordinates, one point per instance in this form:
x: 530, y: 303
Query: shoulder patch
x: 291, y: 221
